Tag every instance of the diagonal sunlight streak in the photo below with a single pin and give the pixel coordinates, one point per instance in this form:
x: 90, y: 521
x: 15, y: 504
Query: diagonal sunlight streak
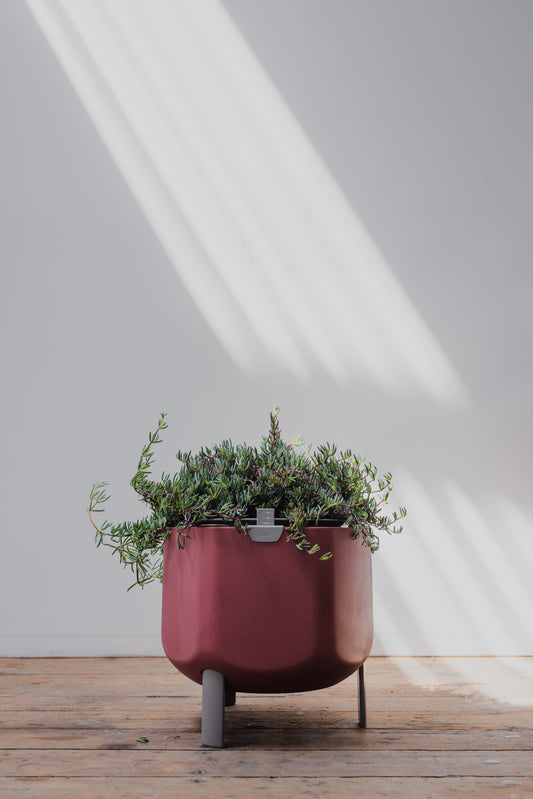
x: 249, y: 194
x: 505, y: 679
x: 515, y: 529
x: 490, y: 562
x: 433, y: 583
x: 231, y: 222
x: 264, y: 241
x: 168, y: 223
x: 457, y: 554
x: 195, y: 188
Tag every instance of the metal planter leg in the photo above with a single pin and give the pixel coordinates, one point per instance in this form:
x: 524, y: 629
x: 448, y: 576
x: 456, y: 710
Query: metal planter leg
x: 229, y: 697
x: 362, y: 696
x: 213, y: 700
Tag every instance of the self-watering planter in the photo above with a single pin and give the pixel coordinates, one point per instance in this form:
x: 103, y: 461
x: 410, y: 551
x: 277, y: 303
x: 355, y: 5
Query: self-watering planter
x: 261, y: 616
x: 259, y: 607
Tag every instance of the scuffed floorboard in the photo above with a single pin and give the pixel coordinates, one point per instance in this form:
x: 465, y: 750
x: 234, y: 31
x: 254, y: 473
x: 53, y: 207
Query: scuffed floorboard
x: 437, y: 727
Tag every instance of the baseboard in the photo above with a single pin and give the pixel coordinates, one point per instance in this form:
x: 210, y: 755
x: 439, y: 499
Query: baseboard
x: 81, y: 646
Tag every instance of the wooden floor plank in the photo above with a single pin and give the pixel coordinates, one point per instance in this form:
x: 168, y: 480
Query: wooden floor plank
x: 271, y: 738
x: 263, y: 763
x: 82, y: 686
x: 158, y: 704
x: 273, y: 787
x: 131, y: 718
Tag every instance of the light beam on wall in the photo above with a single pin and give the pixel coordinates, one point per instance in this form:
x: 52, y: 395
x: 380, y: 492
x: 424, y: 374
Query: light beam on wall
x: 264, y: 241
x: 460, y: 562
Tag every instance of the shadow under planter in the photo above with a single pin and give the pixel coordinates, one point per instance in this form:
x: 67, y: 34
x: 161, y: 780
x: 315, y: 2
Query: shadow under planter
x: 264, y: 617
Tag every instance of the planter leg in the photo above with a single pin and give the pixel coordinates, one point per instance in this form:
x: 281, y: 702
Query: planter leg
x: 362, y: 697
x: 229, y: 697
x: 212, y: 708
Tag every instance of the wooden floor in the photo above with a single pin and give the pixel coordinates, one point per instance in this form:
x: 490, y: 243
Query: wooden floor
x: 437, y: 727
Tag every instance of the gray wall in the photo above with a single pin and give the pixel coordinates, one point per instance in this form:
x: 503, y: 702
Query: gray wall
x: 422, y: 113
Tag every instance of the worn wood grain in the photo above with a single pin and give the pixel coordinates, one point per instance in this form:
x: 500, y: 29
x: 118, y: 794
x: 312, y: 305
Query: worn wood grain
x: 271, y: 738
x: 160, y: 704
x: 272, y: 787
x: 125, y: 717
x: 264, y: 763
x: 437, y: 727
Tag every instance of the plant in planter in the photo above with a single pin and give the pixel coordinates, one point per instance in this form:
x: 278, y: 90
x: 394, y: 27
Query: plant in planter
x: 265, y: 558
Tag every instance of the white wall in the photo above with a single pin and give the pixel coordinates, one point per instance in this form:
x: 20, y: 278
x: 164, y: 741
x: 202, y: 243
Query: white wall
x: 422, y: 113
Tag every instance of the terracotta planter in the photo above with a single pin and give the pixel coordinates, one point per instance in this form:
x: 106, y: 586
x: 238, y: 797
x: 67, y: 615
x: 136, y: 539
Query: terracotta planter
x: 266, y: 616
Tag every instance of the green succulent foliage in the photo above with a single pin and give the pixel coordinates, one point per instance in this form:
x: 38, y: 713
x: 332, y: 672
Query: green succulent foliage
x: 228, y: 482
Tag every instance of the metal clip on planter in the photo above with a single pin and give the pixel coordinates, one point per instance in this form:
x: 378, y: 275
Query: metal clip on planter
x: 265, y: 530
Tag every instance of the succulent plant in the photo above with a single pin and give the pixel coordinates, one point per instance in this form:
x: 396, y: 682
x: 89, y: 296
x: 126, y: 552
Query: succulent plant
x: 225, y: 484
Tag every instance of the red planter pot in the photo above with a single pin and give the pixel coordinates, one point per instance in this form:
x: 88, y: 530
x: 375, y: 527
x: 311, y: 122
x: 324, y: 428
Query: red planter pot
x: 265, y: 617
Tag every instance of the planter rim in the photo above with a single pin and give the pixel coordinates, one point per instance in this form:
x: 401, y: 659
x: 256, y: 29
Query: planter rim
x: 251, y: 522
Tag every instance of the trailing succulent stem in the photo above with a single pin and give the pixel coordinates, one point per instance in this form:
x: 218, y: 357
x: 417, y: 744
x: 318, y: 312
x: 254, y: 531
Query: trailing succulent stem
x: 227, y: 483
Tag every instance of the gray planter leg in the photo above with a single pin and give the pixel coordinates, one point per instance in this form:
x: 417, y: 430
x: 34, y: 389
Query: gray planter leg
x: 229, y: 697
x: 362, y: 697
x: 213, y: 696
